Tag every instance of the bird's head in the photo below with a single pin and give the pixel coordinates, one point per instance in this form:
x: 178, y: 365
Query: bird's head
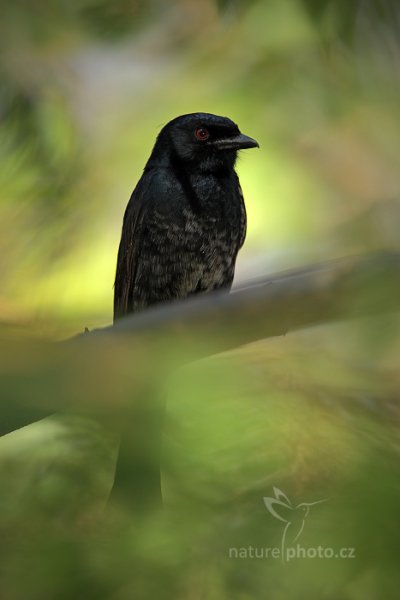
x: 202, y: 142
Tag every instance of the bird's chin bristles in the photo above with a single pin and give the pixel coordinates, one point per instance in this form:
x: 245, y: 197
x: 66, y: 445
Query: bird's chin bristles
x: 217, y: 161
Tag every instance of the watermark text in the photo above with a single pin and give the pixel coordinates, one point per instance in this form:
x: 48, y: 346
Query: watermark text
x: 290, y: 552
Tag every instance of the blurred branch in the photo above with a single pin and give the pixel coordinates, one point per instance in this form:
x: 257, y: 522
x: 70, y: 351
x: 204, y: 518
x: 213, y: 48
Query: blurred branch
x: 339, y: 289
x: 79, y: 374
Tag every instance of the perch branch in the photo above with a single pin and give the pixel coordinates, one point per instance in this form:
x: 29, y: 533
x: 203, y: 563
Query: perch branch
x: 161, y: 337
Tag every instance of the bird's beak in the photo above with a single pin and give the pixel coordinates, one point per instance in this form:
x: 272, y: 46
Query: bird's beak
x: 238, y: 142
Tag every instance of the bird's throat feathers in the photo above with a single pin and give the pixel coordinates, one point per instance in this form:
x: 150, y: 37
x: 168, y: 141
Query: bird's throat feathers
x: 186, y: 167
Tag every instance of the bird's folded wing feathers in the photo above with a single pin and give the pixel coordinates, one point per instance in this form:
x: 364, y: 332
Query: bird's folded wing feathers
x: 128, y: 253
x: 243, y: 218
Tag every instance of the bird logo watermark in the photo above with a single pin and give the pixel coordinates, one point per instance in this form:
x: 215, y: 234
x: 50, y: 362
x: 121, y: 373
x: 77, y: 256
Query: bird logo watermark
x: 294, y: 516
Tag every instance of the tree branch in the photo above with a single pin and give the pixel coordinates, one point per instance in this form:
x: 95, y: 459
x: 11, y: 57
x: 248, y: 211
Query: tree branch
x: 345, y: 288
x: 79, y: 375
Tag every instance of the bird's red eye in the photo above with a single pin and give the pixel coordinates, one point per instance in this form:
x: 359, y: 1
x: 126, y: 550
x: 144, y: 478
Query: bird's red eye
x: 202, y: 134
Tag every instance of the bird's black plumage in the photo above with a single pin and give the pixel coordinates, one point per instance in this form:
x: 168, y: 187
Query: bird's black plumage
x: 185, y: 221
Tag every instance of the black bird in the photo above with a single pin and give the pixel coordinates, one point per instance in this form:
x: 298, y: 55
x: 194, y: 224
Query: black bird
x: 183, y: 227
x: 186, y: 220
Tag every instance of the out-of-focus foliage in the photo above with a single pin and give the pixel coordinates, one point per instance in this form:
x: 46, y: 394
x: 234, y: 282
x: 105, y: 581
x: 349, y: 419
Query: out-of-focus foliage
x: 314, y: 414
x: 85, y: 87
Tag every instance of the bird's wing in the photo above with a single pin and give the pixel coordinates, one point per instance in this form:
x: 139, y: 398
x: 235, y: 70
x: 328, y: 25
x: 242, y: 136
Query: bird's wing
x: 243, y: 218
x: 155, y: 261
x: 128, y: 252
